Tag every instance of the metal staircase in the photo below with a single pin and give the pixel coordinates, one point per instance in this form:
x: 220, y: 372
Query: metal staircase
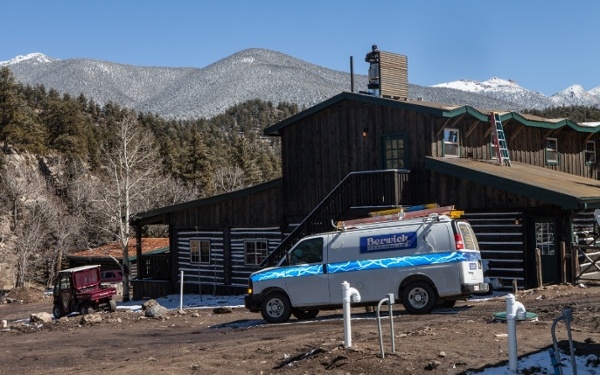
x: 357, y: 191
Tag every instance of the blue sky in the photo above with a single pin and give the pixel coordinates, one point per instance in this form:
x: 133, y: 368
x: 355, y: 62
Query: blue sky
x: 543, y: 45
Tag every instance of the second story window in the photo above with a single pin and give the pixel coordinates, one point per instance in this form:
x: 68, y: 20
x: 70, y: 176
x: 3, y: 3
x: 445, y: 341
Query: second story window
x: 551, y: 151
x: 590, y: 152
x: 451, y: 142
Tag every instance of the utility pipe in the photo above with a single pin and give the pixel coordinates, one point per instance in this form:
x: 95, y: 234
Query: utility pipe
x: 181, y: 293
x: 514, y: 310
x: 349, y: 295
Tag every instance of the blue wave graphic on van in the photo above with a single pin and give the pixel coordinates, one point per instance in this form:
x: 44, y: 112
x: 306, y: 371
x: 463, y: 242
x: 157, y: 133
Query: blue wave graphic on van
x: 294, y: 271
x: 367, y: 264
x: 398, y: 262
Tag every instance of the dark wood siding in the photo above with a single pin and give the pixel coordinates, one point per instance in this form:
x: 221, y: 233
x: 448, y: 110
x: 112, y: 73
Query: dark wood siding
x: 320, y: 150
x: 262, y: 209
x: 500, y: 237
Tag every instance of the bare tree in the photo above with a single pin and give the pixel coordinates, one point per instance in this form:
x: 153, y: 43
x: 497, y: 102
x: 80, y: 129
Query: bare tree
x: 25, y: 196
x: 229, y: 178
x: 131, y: 167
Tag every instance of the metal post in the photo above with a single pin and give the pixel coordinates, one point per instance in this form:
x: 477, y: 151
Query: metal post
x: 390, y: 301
x: 181, y: 293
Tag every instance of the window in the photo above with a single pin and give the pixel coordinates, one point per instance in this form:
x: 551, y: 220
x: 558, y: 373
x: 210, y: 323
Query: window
x: 551, y: 151
x: 590, y: 152
x: 200, y: 251
x: 255, y: 251
x: 544, y: 238
x: 393, y: 157
x: 307, y: 251
x: 451, y: 142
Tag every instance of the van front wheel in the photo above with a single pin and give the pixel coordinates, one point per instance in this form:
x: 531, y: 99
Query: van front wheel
x: 276, y: 308
x: 419, y: 298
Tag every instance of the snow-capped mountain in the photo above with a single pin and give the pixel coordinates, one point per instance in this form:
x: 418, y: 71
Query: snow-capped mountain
x: 576, y: 95
x: 509, y: 90
x: 31, y: 58
x: 188, y: 93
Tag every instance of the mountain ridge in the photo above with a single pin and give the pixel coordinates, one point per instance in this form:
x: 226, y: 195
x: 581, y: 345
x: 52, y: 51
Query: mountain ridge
x: 188, y: 93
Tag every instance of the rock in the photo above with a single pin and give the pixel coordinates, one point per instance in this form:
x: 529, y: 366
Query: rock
x: 91, y: 319
x: 442, y: 354
x: 156, y: 311
x: 432, y: 365
x: 42, y: 317
x: 222, y: 310
x: 149, y: 303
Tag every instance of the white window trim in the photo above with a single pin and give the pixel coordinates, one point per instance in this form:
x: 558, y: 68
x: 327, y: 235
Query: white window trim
x: 451, y: 142
x: 547, y: 150
x: 592, y: 152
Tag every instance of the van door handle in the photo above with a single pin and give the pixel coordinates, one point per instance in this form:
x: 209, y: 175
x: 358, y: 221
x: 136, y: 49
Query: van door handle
x: 324, y: 268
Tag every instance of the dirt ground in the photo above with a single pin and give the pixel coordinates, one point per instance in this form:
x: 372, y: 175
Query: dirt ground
x: 461, y: 340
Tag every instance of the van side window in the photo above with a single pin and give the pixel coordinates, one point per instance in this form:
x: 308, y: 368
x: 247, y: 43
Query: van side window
x: 308, y: 251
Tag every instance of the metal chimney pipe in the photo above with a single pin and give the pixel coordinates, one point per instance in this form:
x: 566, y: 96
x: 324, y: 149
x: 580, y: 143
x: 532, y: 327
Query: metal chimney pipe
x: 351, y: 74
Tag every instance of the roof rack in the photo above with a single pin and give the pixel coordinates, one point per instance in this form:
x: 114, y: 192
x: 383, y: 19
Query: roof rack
x: 400, y: 214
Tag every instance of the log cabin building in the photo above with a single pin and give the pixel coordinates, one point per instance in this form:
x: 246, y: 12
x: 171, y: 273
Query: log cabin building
x: 356, y: 152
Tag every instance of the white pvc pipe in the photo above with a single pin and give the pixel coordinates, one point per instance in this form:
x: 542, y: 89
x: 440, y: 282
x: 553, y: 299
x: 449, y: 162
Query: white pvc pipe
x: 514, y: 310
x: 181, y: 293
x: 349, y: 295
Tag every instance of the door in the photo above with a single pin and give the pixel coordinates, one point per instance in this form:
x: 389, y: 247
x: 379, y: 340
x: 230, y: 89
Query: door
x: 306, y: 274
x: 546, y: 241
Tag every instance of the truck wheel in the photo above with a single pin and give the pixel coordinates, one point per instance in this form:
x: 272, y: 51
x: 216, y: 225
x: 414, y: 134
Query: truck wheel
x: 57, y: 311
x: 419, y: 298
x: 305, y: 314
x: 112, y: 305
x: 276, y: 308
x: 86, y: 309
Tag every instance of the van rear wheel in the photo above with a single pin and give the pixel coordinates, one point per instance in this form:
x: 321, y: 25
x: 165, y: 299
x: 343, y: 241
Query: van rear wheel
x: 305, y: 314
x: 276, y: 308
x: 419, y: 298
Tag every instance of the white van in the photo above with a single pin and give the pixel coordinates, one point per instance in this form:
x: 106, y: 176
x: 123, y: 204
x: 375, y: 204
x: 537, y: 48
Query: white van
x: 425, y: 262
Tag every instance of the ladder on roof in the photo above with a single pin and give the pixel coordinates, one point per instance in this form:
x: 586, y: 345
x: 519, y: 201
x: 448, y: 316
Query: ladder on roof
x: 499, y: 140
x: 397, y: 216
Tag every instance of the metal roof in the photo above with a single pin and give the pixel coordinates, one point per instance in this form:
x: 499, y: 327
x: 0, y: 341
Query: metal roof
x: 562, y: 189
x: 436, y: 109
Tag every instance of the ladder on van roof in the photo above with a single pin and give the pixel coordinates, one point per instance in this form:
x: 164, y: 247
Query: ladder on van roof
x: 398, y: 215
x: 499, y: 140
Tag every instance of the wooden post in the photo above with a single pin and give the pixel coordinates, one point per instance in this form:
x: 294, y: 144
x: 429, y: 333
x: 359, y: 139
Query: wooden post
x: 574, y: 264
x: 563, y: 261
x: 515, y: 286
x: 538, y: 266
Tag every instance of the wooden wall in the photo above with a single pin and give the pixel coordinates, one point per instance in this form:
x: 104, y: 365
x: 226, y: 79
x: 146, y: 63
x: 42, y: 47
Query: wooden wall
x: 263, y: 208
x: 320, y: 150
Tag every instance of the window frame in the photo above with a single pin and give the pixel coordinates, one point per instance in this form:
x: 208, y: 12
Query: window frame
x: 548, y: 151
x: 395, y: 160
x: 446, y: 142
x: 587, y: 152
x: 200, y: 259
x: 258, y: 258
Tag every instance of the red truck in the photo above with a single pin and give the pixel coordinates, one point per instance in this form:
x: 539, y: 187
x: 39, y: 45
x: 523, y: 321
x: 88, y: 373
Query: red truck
x: 79, y: 289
